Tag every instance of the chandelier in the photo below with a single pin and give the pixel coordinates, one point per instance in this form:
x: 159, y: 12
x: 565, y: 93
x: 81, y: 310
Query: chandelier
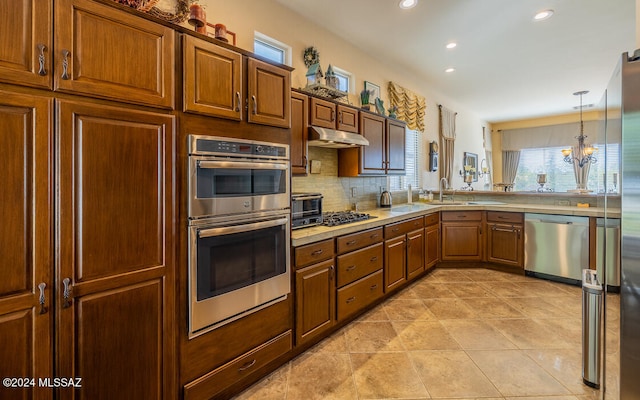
x: 582, y: 154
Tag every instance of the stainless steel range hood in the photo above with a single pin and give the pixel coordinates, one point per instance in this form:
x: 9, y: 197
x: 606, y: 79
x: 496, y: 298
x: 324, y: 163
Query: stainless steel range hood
x: 331, y: 138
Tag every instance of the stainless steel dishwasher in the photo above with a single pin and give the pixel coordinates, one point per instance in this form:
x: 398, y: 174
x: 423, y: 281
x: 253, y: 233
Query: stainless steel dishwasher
x: 556, y: 246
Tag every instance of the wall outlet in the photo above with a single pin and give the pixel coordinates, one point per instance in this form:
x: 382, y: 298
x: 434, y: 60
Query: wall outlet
x: 564, y: 203
x: 354, y: 192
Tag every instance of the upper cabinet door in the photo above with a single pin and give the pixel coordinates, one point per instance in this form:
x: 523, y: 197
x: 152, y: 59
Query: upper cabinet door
x: 347, y: 119
x: 108, y: 53
x: 25, y: 42
x: 373, y: 158
x: 396, y: 138
x: 26, y: 243
x: 212, y: 79
x: 269, y: 94
x: 322, y: 113
x: 299, y: 132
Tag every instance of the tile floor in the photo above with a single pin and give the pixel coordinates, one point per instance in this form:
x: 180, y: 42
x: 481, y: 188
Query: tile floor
x: 455, y: 333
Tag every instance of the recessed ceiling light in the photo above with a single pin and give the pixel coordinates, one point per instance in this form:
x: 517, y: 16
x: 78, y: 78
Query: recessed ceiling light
x: 451, y: 45
x: 405, y: 4
x: 542, y: 15
x: 449, y: 70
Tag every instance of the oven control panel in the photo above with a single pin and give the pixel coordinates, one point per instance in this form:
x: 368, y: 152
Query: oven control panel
x: 209, y: 145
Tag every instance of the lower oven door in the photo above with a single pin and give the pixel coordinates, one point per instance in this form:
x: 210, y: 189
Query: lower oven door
x: 236, y: 267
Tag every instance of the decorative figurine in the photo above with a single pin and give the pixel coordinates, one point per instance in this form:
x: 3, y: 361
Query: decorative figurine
x: 380, y: 107
x: 392, y: 111
x: 364, y: 98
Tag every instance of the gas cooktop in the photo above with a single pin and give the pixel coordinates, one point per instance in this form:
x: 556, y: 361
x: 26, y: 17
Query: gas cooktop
x: 343, y: 217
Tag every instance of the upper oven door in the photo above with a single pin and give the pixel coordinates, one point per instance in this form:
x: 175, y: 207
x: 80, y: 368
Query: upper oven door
x: 232, y: 186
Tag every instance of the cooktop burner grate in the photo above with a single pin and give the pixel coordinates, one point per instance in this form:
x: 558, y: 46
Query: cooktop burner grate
x: 343, y: 217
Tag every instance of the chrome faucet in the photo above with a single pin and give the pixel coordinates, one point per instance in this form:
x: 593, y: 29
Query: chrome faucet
x: 442, y: 188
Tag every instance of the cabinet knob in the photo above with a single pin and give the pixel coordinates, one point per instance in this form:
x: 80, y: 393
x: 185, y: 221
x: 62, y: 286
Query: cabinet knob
x: 41, y: 66
x: 65, y: 65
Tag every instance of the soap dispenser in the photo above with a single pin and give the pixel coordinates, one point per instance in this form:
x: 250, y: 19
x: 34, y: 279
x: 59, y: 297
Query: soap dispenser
x: 409, y: 195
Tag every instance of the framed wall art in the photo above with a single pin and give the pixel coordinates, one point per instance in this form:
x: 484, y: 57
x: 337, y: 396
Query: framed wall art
x: 374, y: 89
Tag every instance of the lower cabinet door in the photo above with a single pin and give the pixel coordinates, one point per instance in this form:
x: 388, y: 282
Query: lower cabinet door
x: 315, y: 300
x: 431, y: 245
x: 356, y: 296
x: 415, y: 253
x: 505, y: 244
x: 395, y: 262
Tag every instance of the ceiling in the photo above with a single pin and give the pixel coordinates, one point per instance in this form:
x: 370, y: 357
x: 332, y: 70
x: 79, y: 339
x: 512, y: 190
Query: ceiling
x: 508, y: 67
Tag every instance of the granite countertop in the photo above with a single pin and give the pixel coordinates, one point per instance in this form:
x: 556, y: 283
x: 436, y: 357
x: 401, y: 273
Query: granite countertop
x: 384, y: 216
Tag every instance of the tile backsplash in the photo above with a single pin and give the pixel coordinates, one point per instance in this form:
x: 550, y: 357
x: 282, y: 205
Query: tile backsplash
x: 338, y: 192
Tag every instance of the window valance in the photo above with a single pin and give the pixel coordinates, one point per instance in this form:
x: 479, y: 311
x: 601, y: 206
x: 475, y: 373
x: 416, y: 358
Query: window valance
x: 547, y: 136
x: 411, y: 106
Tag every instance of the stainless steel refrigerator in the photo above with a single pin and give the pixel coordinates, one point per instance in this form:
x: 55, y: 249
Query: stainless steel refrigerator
x: 623, y: 126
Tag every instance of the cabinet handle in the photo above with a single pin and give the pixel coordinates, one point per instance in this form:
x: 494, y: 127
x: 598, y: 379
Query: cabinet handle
x: 247, y: 365
x: 374, y: 259
x: 340, y: 116
x: 43, y: 309
x: 518, y: 232
x: 350, y: 268
x: 501, y: 217
x: 317, y: 252
x: 373, y: 287
x: 65, y: 65
x: 395, y: 229
x: 495, y: 228
x: 351, y: 300
x: 351, y: 242
x: 331, y: 272
x: 238, y: 101
x: 304, y: 161
x: 462, y: 216
x: 66, y: 292
x: 480, y: 230
x: 373, y: 236
x: 254, y: 109
x: 41, y: 68
x: 333, y: 115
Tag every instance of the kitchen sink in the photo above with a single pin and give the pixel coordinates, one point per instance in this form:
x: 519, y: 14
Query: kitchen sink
x: 486, y: 202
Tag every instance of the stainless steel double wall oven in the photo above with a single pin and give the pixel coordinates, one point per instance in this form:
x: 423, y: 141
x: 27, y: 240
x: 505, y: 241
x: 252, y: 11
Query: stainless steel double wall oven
x: 239, y: 228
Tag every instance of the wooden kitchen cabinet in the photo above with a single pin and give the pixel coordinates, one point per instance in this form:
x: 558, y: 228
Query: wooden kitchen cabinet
x: 315, y: 300
x: 25, y: 42
x: 222, y: 83
x: 385, y: 154
x: 299, y: 133
x: 431, y: 240
x: 415, y: 253
x: 505, y: 238
x: 26, y: 242
x: 395, y: 147
x: 462, y: 236
x: 322, y: 113
x: 104, y: 52
x: 327, y: 114
x: 115, y: 319
x: 268, y: 94
x: 212, y: 79
x: 404, y: 252
x: 315, y: 290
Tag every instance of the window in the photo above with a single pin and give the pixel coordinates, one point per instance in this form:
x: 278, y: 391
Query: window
x: 346, y: 83
x: 412, y: 163
x: 271, y: 49
x: 560, y: 177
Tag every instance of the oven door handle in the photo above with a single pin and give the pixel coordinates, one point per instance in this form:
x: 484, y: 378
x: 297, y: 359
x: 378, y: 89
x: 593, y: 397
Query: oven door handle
x: 240, y: 165
x: 227, y: 230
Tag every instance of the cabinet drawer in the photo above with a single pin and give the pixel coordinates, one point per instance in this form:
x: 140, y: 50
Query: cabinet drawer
x: 219, y: 379
x: 353, y: 266
x: 462, y: 215
x: 359, y: 294
x: 314, y: 252
x: 402, y: 227
x: 504, y: 217
x: 358, y: 240
x: 431, y: 219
